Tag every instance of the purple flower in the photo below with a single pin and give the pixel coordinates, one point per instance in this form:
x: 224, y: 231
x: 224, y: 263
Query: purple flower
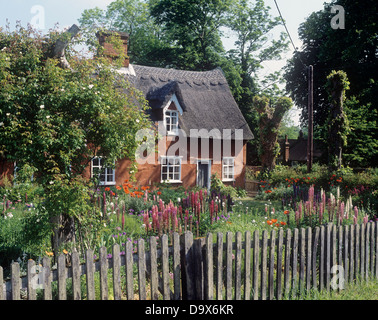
x: 109, y: 256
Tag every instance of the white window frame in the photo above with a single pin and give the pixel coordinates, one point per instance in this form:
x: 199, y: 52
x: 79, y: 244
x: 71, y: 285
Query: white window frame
x: 172, y: 114
x: 228, y: 163
x: 165, y: 162
x: 106, y: 182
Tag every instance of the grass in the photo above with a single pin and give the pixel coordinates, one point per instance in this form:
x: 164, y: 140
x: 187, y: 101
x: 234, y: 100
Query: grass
x: 357, y: 290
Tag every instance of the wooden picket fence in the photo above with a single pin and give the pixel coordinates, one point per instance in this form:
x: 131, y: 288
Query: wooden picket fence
x: 222, y: 267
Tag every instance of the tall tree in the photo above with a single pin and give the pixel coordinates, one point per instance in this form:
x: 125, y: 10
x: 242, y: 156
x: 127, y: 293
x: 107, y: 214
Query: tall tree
x: 337, y: 84
x: 147, y: 43
x: 352, y: 50
x: 195, y: 28
x: 270, y: 117
x: 252, y: 25
x: 57, y: 113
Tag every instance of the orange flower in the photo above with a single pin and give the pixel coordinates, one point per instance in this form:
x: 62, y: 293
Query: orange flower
x: 65, y: 251
x: 118, y: 188
x: 269, y: 222
x: 274, y: 220
x: 268, y: 191
x: 286, y: 212
x: 283, y: 223
x: 50, y: 254
x: 107, y: 189
x: 159, y: 193
x: 277, y: 225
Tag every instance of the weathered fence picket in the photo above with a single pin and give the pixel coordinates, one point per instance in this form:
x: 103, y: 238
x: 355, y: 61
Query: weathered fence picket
x: 226, y: 267
x: 90, y: 269
x: 238, y: 265
x: 271, y: 264
x: 219, y: 284
x: 255, y: 275
x: 247, y: 266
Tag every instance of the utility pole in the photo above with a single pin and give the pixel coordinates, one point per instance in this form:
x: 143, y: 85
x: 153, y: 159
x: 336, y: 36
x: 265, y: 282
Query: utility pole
x: 310, y: 143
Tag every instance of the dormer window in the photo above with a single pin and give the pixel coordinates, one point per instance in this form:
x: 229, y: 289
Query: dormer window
x: 171, y: 113
x: 171, y: 122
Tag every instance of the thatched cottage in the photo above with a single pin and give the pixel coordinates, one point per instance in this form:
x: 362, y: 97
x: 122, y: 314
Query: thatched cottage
x: 202, y: 131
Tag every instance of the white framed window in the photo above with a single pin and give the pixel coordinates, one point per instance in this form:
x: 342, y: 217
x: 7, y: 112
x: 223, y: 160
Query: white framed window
x: 171, y: 122
x: 171, y: 169
x: 228, y: 165
x: 106, y: 175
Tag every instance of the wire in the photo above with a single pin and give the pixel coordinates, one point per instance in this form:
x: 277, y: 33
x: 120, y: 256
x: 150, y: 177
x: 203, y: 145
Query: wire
x: 283, y: 21
x: 288, y: 33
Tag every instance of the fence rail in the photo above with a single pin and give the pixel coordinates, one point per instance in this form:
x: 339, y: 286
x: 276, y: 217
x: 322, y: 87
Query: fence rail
x: 227, y: 266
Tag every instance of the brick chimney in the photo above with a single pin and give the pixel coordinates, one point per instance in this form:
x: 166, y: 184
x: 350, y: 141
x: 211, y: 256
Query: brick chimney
x: 287, y: 150
x: 109, y: 50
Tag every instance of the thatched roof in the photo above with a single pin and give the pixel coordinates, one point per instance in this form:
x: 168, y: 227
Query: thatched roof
x: 205, y: 97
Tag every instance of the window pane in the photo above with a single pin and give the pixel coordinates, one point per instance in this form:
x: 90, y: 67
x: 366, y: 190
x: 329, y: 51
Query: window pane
x: 164, y: 176
x: 95, y: 162
x: 177, y: 176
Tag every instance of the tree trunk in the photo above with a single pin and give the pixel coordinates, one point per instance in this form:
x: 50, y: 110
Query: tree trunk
x: 63, y: 232
x: 58, y: 50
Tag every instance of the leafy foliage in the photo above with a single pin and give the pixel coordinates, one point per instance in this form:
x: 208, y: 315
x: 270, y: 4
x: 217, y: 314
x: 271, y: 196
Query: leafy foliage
x: 352, y: 50
x: 56, y: 120
x: 270, y: 116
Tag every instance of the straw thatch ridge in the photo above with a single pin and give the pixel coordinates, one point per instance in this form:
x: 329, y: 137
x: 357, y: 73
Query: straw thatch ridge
x: 204, y: 96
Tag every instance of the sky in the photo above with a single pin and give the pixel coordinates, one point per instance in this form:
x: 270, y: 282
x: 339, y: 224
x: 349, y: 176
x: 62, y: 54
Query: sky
x: 46, y: 14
